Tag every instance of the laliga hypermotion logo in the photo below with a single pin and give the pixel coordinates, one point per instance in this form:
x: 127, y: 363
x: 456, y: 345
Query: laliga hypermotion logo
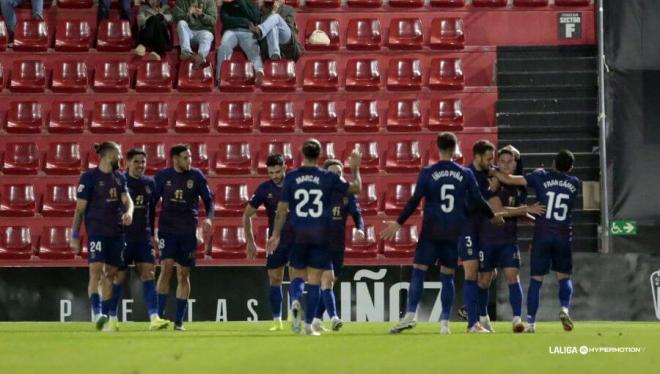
x: 655, y: 288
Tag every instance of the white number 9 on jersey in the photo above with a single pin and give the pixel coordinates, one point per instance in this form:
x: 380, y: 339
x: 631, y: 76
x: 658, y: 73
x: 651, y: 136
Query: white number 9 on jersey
x: 303, y: 196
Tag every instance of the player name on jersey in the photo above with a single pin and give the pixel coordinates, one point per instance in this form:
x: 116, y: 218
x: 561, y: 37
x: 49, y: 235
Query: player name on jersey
x: 447, y: 173
x: 308, y: 179
x: 560, y: 183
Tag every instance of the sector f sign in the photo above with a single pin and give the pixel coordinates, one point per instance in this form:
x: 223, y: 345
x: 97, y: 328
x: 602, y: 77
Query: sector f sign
x: 570, y: 25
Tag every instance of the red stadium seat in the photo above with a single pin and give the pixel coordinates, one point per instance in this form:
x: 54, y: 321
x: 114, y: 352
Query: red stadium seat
x: 15, y: 243
x: 73, y: 36
x: 363, y: 34
x: 229, y: 242
x: 54, y: 243
x: 69, y: 77
x: 320, y: 116
x: 446, y: 74
x: 108, y: 117
x: 67, y: 117
x: 447, y: 33
x: 260, y: 237
x: 114, y: 36
x: 282, y: 147
x: 397, y: 196
x: 200, y: 156
x: 75, y: 4
x: 31, y: 36
x: 151, y: 117
x: 153, y: 76
x: 3, y: 36
x: 231, y: 199
x: 448, y: 3
x: 489, y: 3
x: 572, y: 2
x: 193, y: 117
x: 366, y: 248
x: 277, y: 116
x: 330, y: 27
x: 24, y: 117
x: 446, y: 114
x: 368, y: 198
x: 59, y: 200
x: 279, y: 76
x: 403, y: 244
x: 322, y: 3
x: 111, y: 76
x: 156, y: 156
x: 28, y: 76
x: 534, y: 3
x: 404, y: 74
x: 235, y: 117
x: 403, y: 157
x: 237, y: 76
x: 17, y: 200
x: 404, y: 115
x: 21, y: 158
x: 320, y: 75
x: 362, y: 116
x: 233, y: 158
x: 364, y: 3
x: 362, y: 75
x: 194, y: 80
x: 406, y: 3
x: 327, y: 151
x: 63, y: 159
x: 370, y: 156
x: 405, y: 33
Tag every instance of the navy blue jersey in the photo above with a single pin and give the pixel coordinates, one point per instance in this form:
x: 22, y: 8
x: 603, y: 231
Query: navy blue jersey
x: 102, y: 191
x: 342, y: 205
x: 181, y: 193
x: 308, y: 190
x: 475, y: 220
x: 142, y: 192
x: 269, y: 194
x: 557, y: 192
x: 512, y: 197
x: 448, y: 190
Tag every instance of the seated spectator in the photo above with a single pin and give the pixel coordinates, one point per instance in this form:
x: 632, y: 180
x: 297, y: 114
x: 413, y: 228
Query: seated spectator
x: 9, y: 14
x: 195, y: 24
x: 153, y: 29
x: 237, y: 17
x: 104, y: 9
x: 278, y: 32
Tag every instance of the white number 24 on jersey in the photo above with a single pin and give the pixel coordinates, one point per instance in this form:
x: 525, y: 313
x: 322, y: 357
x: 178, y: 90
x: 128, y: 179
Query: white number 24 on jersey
x: 304, y: 196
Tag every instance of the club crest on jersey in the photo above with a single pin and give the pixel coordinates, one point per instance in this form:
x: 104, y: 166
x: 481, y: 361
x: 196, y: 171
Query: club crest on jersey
x: 190, y: 184
x: 655, y: 289
x: 168, y: 183
x: 346, y: 201
x: 101, y: 184
x: 118, y: 181
x: 148, y: 189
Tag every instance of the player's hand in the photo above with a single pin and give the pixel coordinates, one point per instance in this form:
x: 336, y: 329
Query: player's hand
x: 359, y: 236
x: 272, y: 244
x: 497, y: 220
x: 536, y: 209
x: 207, y: 227
x: 251, y: 250
x: 355, y: 160
x: 390, y: 230
x: 75, y: 245
x: 127, y: 219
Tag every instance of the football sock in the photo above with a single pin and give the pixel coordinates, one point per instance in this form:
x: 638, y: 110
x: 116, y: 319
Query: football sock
x: 296, y: 289
x: 565, y: 292
x: 116, y: 295
x: 181, y: 307
x: 162, y: 301
x: 150, y: 298
x: 446, y: 295
x: 483, y: 301
x: 275, y: 298
x: 515, y: 298
x: 95, y: 303
x: 312, y: 302
x: 533, y: 299
x: 470, y: 290
x: 329, y: 303
x: 416, y: 289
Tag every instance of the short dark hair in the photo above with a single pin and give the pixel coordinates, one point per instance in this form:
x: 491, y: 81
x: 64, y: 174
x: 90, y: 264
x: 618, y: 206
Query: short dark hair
x: 135, y: 152
x: 482, y: 146
x: 275, y: 159
x: 447, y: 142
x: 312, y: 149
x: 332, y: 161
x: 178, y: 148
x: 564, y: 160
x: 103, y: 148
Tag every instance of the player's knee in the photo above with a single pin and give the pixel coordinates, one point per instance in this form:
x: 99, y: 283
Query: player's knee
x: 511, y: 277
x: 421, y: 267
x: 147, y: 274
x: 275, y: 280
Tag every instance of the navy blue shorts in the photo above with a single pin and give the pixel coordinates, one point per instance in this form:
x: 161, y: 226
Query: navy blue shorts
x: 108, y: 250
x: 279, y: 258
x: 551, y: 253
x: 498, y: 256
x: 180, y: 248
x: 138, y: 252
x: 310, y: 255
x: 468, y: 247
x: 443, y: 252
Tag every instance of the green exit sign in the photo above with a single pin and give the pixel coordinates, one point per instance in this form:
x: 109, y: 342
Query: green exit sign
x: 622, y: 228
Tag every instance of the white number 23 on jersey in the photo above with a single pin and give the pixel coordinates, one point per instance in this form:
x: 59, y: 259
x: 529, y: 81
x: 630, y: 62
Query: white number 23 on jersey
x: 303, y: 197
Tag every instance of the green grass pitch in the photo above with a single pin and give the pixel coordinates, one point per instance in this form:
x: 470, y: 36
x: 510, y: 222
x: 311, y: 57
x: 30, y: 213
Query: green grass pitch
x: 243, y: 347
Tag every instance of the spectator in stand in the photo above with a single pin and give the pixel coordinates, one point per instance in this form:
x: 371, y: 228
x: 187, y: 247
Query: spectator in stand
x: 104, y: 9
x: 237, y: 17
x: 278, y: 33
x: 9, y: 14
x: 195, y: 24
x: 154, y: 23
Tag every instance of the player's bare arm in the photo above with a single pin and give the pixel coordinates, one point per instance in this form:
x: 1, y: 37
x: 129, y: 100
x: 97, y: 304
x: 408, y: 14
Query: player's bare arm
x: 127, y: 217
x: 520, y: 211
x: 511, y: 180
x: 249, y: 235
x: 280, y: 219
x: 354, y: 163
x: 78, y: 216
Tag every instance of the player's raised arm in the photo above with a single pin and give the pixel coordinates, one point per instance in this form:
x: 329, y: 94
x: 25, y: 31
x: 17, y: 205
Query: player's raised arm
x: 354, y: 163
x: 280, y: 219
x: 248, y: 213
x: 356, y: 213
x: 512, y: 180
